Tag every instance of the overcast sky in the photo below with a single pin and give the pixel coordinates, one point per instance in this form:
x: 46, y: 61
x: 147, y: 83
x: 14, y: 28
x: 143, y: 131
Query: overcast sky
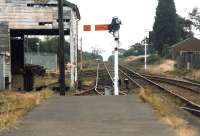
x: 137, y: 17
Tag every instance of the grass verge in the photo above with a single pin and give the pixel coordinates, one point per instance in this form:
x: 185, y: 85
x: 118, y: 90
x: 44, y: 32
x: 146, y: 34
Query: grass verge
x: 169, y: 113
x: 14, y: 105
x: 46, y: 80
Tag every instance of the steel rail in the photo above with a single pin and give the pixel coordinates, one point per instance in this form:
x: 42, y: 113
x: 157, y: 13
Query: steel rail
x: 123, y: 93
x: 120, y: 92
x: 188, y: 102
x: 175, y: 80
x: 93, y: 88
x: 97, y: 81
x: 191, y: 80
x: 84, y: 92
x: 111, y: 78
x: 133, y: 81
x: 191, y: 110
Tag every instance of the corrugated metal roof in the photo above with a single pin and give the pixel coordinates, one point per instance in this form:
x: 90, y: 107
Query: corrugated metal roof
x: 187, y: 44
x: 191, y: 44
x: 74, y: 7
x: 181, y: 42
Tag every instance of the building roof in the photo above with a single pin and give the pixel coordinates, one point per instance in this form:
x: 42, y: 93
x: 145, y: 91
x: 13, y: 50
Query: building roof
x: 191, y: 44
x: 74, y: 7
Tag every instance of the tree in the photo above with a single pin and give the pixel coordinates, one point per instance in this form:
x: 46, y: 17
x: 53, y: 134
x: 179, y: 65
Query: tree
x: 121, y: 52
x: 31, y: 44
x: 97, y: 51
x: 91, y: 56
x: 185, y: 27
x: 135, y: 50
x: 48, y: 45
x: 165, y: 29
x: 195, y: 17
x: 111, y: 59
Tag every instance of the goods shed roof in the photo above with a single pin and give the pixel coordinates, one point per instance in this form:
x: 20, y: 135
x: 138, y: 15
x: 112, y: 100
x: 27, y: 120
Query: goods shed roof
x: 191, y: 44
x: 74, y: 7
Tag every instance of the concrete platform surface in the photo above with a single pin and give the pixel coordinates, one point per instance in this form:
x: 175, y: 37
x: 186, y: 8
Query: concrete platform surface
x: 92, y: 116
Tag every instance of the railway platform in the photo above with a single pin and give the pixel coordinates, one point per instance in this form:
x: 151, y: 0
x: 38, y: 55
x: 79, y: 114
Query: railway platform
x: 92, y: 116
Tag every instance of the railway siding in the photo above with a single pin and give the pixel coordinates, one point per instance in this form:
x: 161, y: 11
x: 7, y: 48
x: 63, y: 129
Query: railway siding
x: 188, y: 96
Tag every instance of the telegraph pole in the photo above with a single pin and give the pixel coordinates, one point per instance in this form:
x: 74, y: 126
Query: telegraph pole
x: 61, y: 48
x: 145, y: 56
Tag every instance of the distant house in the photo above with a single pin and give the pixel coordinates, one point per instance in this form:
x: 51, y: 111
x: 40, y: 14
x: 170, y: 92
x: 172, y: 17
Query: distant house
x: 187, y: 53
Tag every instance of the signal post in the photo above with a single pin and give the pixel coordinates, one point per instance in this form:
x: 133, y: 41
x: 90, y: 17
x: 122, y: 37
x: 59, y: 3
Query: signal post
x: 114, y: 30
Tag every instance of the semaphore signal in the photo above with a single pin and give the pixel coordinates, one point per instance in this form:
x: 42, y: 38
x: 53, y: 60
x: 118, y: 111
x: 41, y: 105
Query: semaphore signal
x: 112, y: 28
x: 99, y: 27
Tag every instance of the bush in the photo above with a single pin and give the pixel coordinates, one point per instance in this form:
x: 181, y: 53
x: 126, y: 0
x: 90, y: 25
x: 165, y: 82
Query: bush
x: 166, y: 52
x: 153, y: 58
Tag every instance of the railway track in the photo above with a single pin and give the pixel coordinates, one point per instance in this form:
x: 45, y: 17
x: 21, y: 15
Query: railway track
x: 103, y: 79
x: 195, y: 87
x: 51, y: 85
x: 184, y: 91
x: 123, y: 90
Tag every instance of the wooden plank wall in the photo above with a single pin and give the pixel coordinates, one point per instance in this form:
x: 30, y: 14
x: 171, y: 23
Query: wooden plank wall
x: 2, y: 79
x: 16, y: 14
x: 20, y: 16
x: 193, y: 58
x: 4, y: 37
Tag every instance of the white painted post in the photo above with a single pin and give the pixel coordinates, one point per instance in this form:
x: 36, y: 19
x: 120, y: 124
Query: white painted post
x: 38, y: 48
x: 145, y: 50
x: 76, y: 52
x: 188, y: 65
x: 145, y: 57
x: 116, y: 88
x: 76, y: 59
x: 72, y: 60
x: 116, y: 67
x: 72, y: 49
x: 107, y: 90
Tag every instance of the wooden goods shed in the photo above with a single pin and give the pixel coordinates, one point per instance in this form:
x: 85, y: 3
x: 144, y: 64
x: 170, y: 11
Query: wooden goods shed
x: 21, y: 18
x: 187, y: 53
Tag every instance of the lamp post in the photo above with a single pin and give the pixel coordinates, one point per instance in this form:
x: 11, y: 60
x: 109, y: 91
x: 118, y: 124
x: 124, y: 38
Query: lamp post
x: 61, y: 48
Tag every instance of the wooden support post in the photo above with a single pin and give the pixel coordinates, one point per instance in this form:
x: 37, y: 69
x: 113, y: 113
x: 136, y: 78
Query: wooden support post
x: 81, y: 43
x: 61, y: 48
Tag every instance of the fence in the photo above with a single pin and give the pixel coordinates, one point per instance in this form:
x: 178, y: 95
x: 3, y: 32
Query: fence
x: 193, y: 59
x: 47, y: 60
